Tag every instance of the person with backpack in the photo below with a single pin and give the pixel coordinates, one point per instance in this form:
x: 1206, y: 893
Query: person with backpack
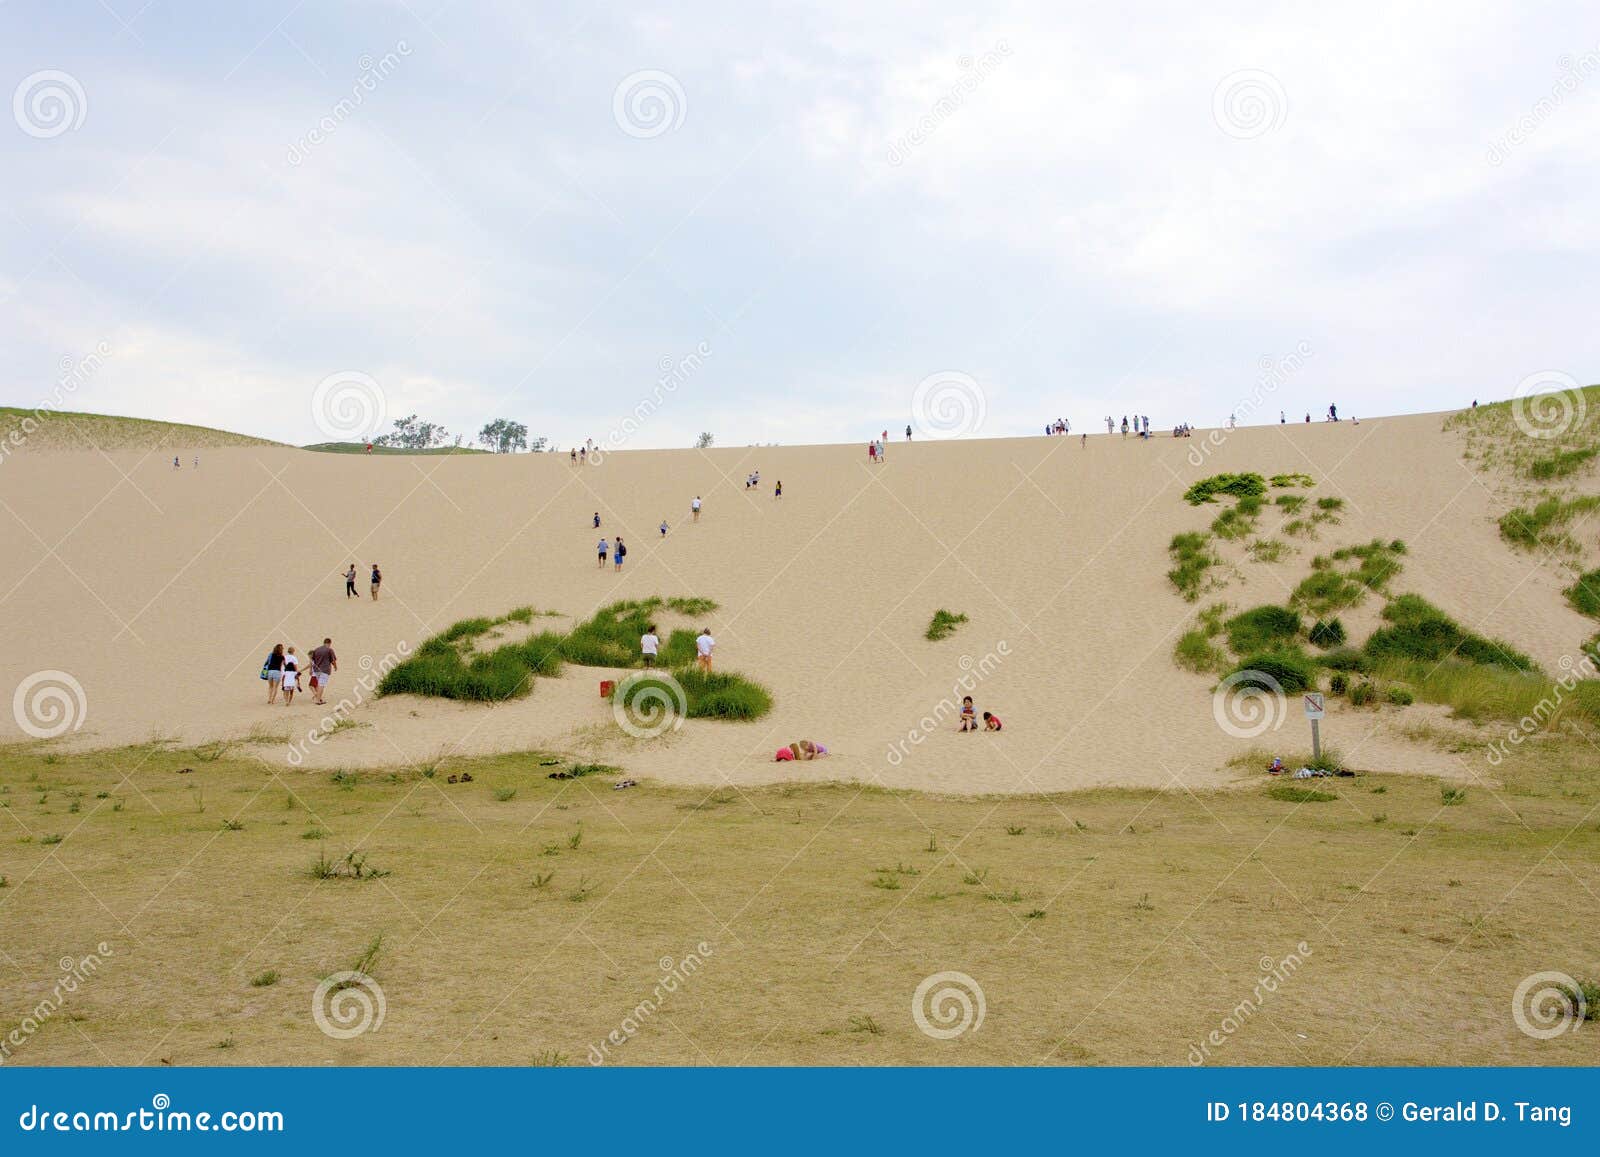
x: 618, y: 553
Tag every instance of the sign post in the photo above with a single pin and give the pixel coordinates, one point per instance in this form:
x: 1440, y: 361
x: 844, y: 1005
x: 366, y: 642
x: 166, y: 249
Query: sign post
x: 1315, y: 709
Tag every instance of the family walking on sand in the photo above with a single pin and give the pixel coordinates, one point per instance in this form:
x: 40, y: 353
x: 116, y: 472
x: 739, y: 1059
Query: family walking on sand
x: 282, y: 672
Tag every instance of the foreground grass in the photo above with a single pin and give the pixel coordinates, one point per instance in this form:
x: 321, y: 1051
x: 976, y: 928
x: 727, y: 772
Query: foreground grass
x: 515, y: 917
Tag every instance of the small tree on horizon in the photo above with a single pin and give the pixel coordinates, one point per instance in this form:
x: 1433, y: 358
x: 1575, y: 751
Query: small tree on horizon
x: 504, y: 436
x: 703, y: 442
x: 412, y: 434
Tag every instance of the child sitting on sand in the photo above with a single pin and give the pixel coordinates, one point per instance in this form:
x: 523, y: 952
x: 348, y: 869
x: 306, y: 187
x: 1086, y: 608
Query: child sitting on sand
x: 969, y: 717
x: 991, y: 722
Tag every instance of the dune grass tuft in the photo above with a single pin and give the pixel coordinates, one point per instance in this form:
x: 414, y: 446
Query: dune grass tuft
x: 943, y: 625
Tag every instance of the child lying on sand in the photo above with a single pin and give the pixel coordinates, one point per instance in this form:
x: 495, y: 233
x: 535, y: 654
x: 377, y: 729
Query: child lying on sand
x: 800, y: 749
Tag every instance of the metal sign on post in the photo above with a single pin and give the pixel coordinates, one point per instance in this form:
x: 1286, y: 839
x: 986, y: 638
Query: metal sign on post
x: 1316, y: 708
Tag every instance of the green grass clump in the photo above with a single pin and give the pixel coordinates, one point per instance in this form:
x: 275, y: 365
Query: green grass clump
x: 1560, y: 463
x: 1544, y: 523
x: 1290, y: 503
x: 1330, y: 504
x: 1233, y: 524
x: 1420, y: 631
x: 1192, y: 554
x: 445, y: 666
x: 1262, y: 629
x: 1238, y: 485
x: 1194, y: 651
x: 1324, y: 591
x: 1282, y: 480
x: 1289, y: 793
x: 1584, y: 595
x: 943, y: 625
x: 1291, y: 669
x: 1326, y: 633
x: 1267, y: 550
x: 1334, y: 584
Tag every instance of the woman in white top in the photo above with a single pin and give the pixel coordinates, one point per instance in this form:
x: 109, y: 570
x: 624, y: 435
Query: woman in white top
x: 291, y: 676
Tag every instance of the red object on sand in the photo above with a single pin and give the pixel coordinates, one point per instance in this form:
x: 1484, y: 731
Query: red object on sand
x: 607, y: 686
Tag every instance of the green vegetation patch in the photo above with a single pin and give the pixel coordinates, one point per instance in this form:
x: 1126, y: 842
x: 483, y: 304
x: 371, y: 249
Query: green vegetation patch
x: 1544, y: 523
x: 1343, y: 578
x: 1284, y: 480
x: 1326, y: 633
x: 1193, y: 559
x: 943, y: 625
x: 1262, y: 629
x: 1584, y: 595
x: 1420, y: 631
x: 1561, y: 463
x: 1239, y: 485
x: 445, y: 666
x: 1291, y: 669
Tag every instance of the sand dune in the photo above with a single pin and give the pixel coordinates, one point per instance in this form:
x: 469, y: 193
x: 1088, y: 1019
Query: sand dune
x: 160, y: 591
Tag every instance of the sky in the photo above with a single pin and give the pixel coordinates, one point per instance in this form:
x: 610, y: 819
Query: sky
x: 791, y: 222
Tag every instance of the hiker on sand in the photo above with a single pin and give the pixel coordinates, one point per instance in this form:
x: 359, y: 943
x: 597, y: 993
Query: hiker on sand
x: 872, y: 451
x: 350, y: 583
x: 377, y: 581
x: 695, y: 507
x: 991, y: 722
x: 649, y: 645
x: 908, y: 433
x: 323, y: 664
x: 703, y: 646
x: 291, y: 676
x: 604, y: 548
x: 969, y: 716
x: 778, y: 490
x: 597, y: 520
x: 618, y: 553
x: 664, y: 528
x: 273, y: 670
x: 175, y: 463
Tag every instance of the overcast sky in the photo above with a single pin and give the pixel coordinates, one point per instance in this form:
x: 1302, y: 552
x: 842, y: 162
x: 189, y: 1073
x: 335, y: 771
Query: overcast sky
x: 805, y: 211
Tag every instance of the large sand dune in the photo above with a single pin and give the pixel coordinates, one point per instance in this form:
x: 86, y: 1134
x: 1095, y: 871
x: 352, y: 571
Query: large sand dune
x: 160, y: 590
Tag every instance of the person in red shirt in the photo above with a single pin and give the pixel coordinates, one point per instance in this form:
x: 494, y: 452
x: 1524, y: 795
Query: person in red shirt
x: 991, y: 722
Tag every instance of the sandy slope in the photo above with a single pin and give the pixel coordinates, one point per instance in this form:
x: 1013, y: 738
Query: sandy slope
x: 159, y: 591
